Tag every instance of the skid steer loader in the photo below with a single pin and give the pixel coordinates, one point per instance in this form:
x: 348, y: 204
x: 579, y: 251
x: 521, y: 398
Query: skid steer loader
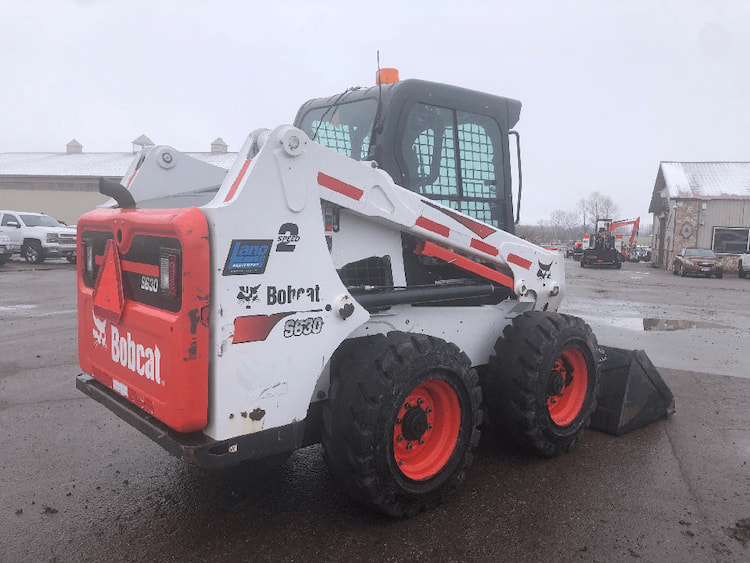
x: 352, y: 280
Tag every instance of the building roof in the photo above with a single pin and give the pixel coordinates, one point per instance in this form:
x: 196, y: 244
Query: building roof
x: 91, y: 164
x: 706, y: 180
x: 700, y: 180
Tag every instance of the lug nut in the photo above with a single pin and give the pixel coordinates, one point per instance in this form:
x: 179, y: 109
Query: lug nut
x: 409, y: 446
x: 400, y: 438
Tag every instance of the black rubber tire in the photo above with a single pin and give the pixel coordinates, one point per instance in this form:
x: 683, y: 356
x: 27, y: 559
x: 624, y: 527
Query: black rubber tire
x: 32, y: 252
x: 71, y: 258
x: 683, y: 273
x: 517, y: 383
x: 582, y: 264
x: 674, y: 269
x: 618, y: 265
x: 719, y: 276
x: 740, y: 270
x: 4, y: 259
x: 370, y: 380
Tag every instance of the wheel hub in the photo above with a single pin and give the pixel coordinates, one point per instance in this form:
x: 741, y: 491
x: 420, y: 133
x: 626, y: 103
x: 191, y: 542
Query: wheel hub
x: 414, y: 424
x: 556, y: 383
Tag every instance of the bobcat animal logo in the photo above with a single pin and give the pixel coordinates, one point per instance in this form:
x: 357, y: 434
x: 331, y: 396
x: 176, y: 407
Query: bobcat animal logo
x: 544, y: 271
x: 99, y: 332
x: 248, y: 295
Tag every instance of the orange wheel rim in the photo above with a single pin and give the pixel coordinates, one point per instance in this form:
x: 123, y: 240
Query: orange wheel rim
x: 569, y: 383
x: 426, y: 429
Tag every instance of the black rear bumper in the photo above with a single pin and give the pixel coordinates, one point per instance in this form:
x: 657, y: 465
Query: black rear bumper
x: 196, y: 448
x: 601, y: 258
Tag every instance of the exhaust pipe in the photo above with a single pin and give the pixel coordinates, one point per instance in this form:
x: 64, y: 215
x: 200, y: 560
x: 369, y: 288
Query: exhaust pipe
x: 118, y: 192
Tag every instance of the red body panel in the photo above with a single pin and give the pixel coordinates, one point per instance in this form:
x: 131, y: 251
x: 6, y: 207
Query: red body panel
x: 156, y: 358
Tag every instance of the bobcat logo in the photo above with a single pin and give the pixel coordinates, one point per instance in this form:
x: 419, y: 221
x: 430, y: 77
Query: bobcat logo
x: 99, y: 332
x: 544, y: 271
x: 248, y: 295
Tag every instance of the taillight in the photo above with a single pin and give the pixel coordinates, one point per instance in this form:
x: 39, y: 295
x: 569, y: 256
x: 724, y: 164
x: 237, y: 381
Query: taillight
x: 169, y: 273
x: 87, y: 258
x: 89, y: 249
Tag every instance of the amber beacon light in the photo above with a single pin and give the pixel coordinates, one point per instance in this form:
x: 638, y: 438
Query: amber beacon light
x: 386, y: 76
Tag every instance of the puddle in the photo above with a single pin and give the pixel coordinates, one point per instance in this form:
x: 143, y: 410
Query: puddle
x: 672, y: 324
x: 653, y: 324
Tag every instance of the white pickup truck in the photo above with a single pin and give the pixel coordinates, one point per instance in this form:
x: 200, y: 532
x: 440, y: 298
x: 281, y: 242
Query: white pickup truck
x: 38, y: 236
x: 743, y: 265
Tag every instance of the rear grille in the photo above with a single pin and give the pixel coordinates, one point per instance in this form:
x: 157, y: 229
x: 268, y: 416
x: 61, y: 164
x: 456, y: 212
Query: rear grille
x: 141, y: 267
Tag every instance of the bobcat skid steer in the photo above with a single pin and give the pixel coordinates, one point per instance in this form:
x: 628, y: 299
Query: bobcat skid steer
x: 352, y: 280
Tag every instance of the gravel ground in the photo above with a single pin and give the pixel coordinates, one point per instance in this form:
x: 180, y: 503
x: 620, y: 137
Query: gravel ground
x: 80, y: 485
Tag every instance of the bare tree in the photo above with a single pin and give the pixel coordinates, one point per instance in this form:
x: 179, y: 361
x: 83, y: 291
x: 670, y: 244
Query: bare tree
x: 568, y: 226
x: 564, y: 225
x: 597, y: 206
x: 531, y: 233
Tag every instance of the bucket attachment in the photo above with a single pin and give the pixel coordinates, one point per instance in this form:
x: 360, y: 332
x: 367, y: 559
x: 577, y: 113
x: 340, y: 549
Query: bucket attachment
x: 632, y: 394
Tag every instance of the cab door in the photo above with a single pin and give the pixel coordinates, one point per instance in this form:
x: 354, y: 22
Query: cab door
x: 456, y: 157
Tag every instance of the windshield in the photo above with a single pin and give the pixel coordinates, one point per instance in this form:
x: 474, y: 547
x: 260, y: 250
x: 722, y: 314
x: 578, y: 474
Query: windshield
x: 40, y: 221
x: 699, y: 253
x: 345, y: 128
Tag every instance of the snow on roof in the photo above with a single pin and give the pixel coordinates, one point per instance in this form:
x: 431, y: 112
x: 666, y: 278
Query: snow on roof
x: 704, y: 180
x: 92, y: 164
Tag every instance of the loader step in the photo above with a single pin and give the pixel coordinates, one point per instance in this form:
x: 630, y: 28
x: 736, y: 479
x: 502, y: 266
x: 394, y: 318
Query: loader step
x: 196, y: 448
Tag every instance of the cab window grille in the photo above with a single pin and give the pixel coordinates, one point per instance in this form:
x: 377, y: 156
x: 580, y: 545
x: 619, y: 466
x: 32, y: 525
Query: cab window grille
x: 477, y: 167
x: 454, y: 157
x: 333, y: 137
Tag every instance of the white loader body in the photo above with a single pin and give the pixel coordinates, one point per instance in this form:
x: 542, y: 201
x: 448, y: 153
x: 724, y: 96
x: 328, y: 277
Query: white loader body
x: 275, y: 324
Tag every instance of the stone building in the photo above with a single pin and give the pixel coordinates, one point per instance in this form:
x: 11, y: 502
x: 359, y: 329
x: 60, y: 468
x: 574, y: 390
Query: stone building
x: 66, y: 184
x: 703, y: 205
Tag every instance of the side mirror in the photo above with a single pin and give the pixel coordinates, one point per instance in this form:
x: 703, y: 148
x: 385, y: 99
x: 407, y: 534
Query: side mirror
x: 14, y: 224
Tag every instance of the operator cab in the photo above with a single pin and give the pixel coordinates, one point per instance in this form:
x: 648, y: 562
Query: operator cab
x: 447, y: 143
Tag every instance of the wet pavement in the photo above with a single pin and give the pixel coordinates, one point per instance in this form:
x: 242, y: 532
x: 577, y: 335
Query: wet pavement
x: 693, y: 324
x: 77, y: 484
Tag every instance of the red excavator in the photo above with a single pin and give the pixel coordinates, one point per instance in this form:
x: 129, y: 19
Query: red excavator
x: 634, y: 224
x: 604, y: 247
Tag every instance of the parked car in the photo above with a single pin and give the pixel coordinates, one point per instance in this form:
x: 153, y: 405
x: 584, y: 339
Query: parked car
x: 7, y: 248
x: 743, y: 266
x: 639, y: 253
x: 38, y: 236
x: 697, y: 261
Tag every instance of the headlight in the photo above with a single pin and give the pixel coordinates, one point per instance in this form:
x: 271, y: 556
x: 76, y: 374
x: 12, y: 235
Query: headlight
x: 52, y: 237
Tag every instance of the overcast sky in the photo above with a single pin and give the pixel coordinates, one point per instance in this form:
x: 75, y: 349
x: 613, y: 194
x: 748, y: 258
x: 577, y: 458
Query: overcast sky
x: 609, y: 88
